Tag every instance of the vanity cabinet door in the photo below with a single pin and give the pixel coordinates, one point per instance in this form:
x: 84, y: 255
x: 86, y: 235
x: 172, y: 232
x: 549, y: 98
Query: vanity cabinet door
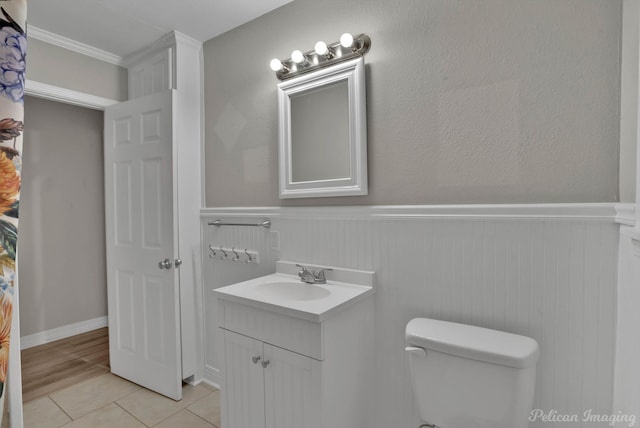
x: 292, y: 384
x: 243, y: 382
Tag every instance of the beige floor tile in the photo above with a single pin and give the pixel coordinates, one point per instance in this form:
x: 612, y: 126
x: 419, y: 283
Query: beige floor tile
x: 43, y: 413
x: 208, y: 408
x: 212, y: 388
x: 109, y: 416
x: 184, y: 419
x: 152, y: 408
x: 93, y: 394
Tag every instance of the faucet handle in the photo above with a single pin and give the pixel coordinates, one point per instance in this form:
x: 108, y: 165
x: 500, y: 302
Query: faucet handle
x: 312, y: 277
x: 320, y: 274
x: 303, y: 270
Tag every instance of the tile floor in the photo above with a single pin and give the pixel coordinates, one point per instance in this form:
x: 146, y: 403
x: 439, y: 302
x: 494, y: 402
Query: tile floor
x: 110, y: 401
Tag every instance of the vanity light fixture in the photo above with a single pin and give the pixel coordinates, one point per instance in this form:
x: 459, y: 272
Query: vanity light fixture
x: 323, y: 55
x: 298, y: 57
x: 346, y: 40
x: 321, y: 48
x: 277, y: 65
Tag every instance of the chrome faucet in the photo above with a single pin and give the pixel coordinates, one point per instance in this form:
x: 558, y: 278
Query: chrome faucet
x: 312, y: 277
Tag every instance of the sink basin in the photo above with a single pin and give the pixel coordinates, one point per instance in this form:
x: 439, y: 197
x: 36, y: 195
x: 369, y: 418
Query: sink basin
x: 283, y: 293
x: 292, y: 290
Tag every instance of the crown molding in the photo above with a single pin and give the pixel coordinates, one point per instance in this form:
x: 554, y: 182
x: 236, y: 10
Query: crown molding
x: 174, y: 39
x: 75, y: 46
x: 187, y: 40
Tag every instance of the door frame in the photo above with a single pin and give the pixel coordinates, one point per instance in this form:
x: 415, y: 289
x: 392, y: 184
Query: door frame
x: 65, y: 96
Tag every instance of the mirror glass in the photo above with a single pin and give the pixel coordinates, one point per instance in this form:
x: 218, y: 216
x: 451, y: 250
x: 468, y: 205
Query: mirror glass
x: 323, y: 133
x: 320, y: 152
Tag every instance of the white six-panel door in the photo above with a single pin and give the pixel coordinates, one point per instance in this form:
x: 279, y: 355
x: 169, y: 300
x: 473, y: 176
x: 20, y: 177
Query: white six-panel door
x: 141, y: 236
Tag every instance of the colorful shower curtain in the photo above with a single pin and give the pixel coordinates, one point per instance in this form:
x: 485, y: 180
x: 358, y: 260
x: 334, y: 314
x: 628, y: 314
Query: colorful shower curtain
x: 13, y: 49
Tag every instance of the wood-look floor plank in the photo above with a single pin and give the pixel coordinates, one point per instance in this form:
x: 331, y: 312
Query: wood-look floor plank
x: 56, y: 365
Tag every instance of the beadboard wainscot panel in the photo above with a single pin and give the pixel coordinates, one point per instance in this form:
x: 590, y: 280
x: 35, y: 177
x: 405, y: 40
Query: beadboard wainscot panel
x: 547, y: 271
x: 219, y: 273
x: 627, y: 372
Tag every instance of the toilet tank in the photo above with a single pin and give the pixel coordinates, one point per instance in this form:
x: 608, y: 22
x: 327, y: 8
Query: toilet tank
x: 465, y: 376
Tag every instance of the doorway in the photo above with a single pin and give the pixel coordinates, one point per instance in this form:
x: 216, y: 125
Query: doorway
x: 61, y: 245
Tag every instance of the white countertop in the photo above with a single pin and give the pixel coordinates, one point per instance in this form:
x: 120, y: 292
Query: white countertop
x: 325, y: 300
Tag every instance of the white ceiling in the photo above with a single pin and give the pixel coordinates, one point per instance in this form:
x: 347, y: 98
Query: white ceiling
x: 122, y: 27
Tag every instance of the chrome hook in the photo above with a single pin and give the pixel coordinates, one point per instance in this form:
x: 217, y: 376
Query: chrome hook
x: 212, y: 254
x: 237, y: 257
x: 224, y: 253
x: 249, y: 256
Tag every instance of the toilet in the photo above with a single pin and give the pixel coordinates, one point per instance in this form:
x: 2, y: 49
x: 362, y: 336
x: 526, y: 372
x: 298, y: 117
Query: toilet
x: 465, y: 376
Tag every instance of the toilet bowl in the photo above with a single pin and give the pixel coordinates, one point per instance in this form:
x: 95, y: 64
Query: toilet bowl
x: 465, y: 376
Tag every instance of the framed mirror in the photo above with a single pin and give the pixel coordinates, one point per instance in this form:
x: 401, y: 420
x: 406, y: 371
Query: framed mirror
x: 323, y: 132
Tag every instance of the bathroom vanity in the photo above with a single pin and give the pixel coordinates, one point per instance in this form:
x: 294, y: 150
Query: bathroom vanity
x: 297, y: 355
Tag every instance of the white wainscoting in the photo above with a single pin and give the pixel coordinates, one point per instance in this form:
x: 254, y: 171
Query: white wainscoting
x: 546, y: 271
x: 627, y: 369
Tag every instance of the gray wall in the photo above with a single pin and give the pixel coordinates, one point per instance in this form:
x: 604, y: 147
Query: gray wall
x: 491, y: 101
x: 629, y: 99
x: 70, y: 70
x: 61, y: 243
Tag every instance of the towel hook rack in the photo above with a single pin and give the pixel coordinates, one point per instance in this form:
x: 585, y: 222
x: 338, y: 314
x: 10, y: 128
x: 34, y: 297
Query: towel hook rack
x: 249, y: 256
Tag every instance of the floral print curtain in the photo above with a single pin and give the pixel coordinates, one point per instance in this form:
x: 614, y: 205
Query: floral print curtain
x: 13, y: 48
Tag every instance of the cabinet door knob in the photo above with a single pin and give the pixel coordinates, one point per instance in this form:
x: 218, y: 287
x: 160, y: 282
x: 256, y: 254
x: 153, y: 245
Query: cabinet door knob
x: 265, y: 363
x: 256, y: 359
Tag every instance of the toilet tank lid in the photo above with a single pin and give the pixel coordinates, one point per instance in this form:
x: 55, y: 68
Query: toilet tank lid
x: 476, y: 343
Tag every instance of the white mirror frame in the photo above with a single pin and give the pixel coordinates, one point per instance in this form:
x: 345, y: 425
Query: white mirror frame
x: 353, y: 72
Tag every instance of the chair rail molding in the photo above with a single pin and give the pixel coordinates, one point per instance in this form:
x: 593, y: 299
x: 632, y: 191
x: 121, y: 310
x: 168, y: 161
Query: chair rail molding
x: 607, y: 211
x: 626, y: 214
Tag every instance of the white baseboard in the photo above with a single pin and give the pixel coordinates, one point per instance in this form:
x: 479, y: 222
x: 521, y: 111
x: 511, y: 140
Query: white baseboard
x: 211, y: 376
x: 58, y: 333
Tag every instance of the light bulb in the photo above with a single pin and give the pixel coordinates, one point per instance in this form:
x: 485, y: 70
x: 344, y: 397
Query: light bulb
x: 276, y: 64
x: 297, y: 56
x: 321, y: 48
x: 346, y: 40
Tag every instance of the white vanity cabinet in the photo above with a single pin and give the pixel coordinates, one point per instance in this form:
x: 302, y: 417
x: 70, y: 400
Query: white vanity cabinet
x: 291, y: 367
x: 270, y: 387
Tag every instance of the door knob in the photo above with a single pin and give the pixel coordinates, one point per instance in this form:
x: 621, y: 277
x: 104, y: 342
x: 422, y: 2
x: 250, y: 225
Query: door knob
x: 177, y: 263
x: 166, y: 264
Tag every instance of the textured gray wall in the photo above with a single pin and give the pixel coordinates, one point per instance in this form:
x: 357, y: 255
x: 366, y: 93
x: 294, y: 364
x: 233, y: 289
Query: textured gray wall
x: 70, y: 70
x: 61, y: 244
x: 474, y: 101
x: 629, y: 100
